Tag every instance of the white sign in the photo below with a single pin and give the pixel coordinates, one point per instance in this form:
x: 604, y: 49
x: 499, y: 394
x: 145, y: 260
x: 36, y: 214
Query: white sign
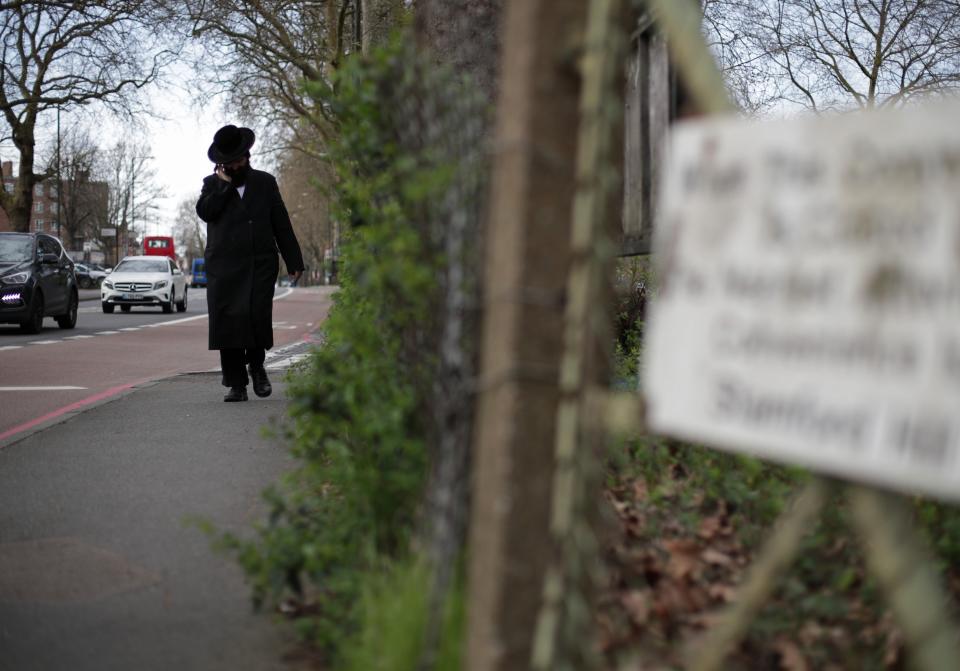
x: 108, y: 232
x: 810, y: 302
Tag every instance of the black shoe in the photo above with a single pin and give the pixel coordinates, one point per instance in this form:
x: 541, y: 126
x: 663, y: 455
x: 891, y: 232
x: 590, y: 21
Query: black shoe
x: 236, y: 394
x: 261, y: 385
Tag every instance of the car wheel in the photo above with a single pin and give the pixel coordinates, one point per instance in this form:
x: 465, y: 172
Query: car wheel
x: 84, y: 282
x: 34, y: 323
x: 69, y: 319
x: 168, y: 307
x: 125, y: 308
x: 182, y: 305
x: 107, y: 308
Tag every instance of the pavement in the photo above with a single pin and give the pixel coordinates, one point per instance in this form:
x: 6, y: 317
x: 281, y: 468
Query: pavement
x: 100, y: 565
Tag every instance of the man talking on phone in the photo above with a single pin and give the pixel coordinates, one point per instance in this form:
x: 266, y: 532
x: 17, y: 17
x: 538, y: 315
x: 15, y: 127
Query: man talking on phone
x: 247, y: 224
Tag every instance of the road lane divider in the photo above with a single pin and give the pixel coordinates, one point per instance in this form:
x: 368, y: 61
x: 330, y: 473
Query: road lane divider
x: 62, y: 388
x: 286, y: 362
x: 175, y: 321
x: 281, y: 358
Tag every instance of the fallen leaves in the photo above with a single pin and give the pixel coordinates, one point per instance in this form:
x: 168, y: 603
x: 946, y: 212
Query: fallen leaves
x: 684, y: 558
x: 637, y: 604
x: 666, y: 585
x: 791, y: 658
x: 675, y: 559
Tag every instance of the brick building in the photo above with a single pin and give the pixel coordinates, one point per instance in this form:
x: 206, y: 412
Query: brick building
x: 44, y: 214
x: 50, y: 214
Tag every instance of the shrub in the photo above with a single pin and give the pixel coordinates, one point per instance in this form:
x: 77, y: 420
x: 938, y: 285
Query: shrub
x: 393, y: 613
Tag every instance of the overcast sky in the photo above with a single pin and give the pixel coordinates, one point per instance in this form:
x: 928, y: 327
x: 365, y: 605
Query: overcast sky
x: 179, y: 147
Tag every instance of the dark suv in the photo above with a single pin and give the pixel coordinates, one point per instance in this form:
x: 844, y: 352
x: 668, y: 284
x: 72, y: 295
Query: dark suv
x: 36, y: 281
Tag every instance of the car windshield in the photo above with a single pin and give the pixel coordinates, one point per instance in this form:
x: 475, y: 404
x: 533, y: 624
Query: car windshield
x: 142, y: 266
x: 15, y: 248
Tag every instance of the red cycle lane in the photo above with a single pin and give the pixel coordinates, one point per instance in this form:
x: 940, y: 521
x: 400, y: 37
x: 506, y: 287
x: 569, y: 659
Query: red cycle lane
x: 105, y: 366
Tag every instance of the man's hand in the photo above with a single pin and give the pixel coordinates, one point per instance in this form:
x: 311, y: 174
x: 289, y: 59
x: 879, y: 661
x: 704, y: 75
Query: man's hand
x: 219, y: 172
x: 295, y: 277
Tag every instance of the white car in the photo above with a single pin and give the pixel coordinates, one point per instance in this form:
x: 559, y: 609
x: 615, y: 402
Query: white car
x: 147, y: 281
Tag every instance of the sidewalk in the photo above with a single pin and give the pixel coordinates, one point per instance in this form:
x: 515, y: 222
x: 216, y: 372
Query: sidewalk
x: 98, y: 569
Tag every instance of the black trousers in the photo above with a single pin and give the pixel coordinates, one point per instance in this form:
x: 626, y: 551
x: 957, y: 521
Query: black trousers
x: 233, y: 363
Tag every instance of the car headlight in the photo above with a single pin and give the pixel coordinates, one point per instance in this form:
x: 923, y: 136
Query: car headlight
x: 16, y: 278
x: 160, y: 285
x: 108, y: 284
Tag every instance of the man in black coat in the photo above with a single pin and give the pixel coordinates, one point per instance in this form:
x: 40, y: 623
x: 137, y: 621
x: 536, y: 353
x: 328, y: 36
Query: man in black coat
x: 247, y: 223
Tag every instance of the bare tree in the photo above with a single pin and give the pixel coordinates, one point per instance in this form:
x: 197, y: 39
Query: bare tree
x: 134, y: 193
x: 379, y: 18
x: 66, y: 54
x: 750, y: 79
x: 258, y: 54
x: 464, y: 34
x: 83, y: 201
x: 304, y: 184
x: 836, y: 54
x: 189, y: 231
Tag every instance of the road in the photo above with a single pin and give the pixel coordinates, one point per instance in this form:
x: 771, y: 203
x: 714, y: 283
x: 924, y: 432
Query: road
x: 50, y: 376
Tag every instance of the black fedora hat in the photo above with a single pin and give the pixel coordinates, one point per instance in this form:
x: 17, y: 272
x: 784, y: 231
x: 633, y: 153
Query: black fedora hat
x: 230, y: 143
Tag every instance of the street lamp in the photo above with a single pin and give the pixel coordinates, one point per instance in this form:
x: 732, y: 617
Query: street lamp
x: 59, y: 181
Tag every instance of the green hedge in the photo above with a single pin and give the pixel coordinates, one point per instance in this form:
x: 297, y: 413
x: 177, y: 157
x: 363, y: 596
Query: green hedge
x: 347, y: 512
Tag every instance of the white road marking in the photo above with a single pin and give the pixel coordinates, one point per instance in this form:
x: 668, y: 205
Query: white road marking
x: 41, y: 388
x: 176, y: 321
x: 280, y: 351
x: 11, y: 347
x: 276, y: 359
x: 107, y: 332
x: 131, y: 328
x: 287, y: 362
x: 78, y: 337
x: 42, y: 342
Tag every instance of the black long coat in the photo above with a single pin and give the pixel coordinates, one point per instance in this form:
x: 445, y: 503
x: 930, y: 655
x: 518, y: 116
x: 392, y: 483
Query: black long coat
x: 243, y: 237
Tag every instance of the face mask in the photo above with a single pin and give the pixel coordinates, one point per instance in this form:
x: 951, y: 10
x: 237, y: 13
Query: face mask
x: 238, y: 175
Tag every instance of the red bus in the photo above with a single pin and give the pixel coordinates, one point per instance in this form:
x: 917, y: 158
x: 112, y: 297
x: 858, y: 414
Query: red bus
x: 159, y: 245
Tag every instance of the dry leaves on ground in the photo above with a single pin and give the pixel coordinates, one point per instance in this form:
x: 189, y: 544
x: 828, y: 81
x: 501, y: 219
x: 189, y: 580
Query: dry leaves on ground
x: 673, y: 564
